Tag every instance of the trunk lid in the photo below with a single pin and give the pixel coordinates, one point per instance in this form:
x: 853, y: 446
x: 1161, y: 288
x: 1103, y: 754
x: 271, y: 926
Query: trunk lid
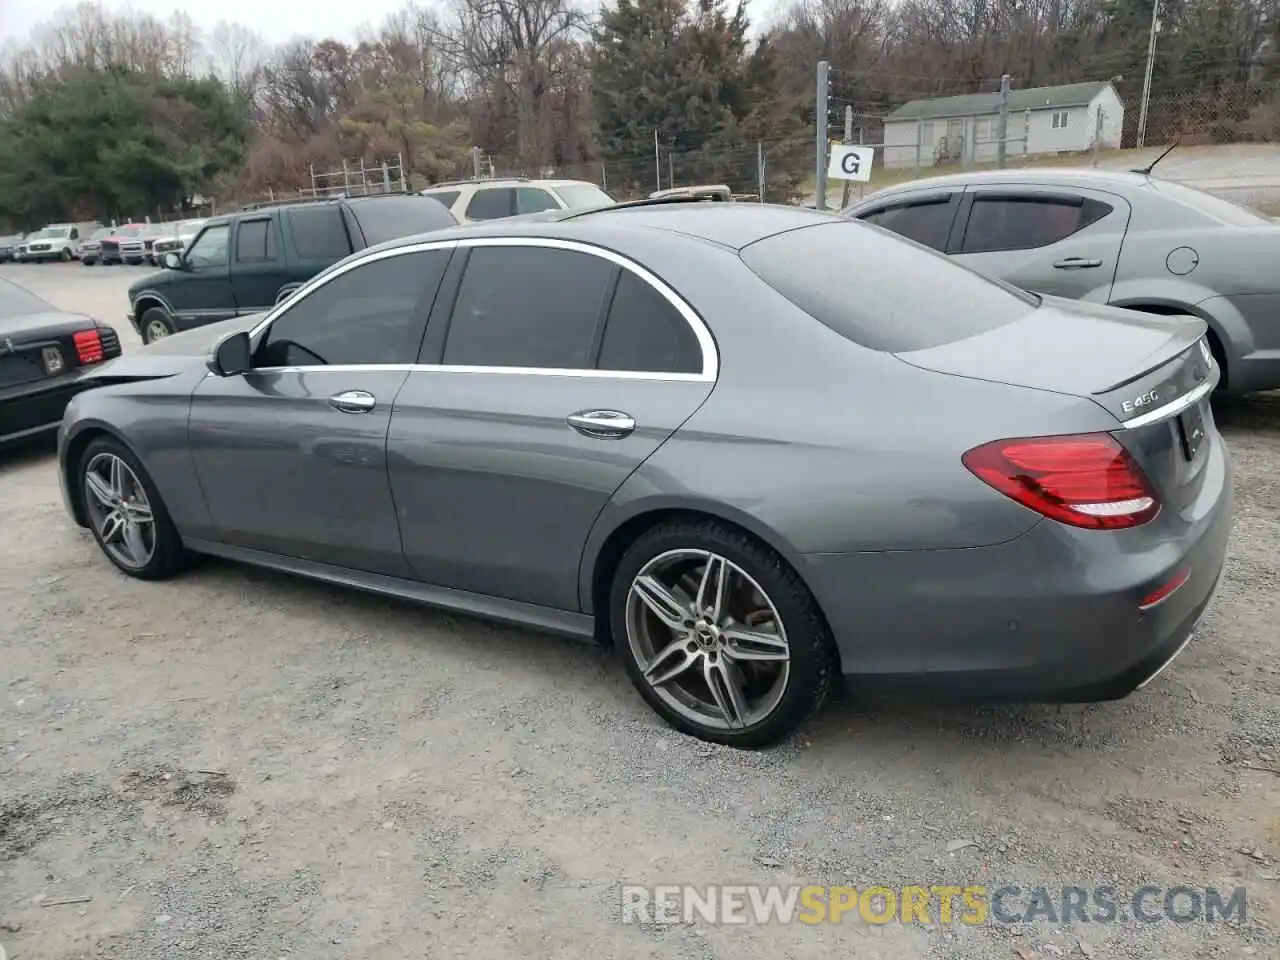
x: 1153, y: 374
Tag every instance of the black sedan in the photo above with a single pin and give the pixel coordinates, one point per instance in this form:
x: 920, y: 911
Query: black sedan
x: 43, y: 352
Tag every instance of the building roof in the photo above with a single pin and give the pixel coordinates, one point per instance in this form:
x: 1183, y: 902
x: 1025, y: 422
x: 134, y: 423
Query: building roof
x: 987, y: 104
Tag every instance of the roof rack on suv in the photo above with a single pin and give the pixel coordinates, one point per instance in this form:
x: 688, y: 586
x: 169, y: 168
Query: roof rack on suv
x: 289, y: 201
x: 470, y: 180
x: 646, y: 202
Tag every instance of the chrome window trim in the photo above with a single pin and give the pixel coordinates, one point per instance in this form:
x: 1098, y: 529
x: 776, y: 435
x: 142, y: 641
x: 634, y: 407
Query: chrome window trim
x: 706, y: 343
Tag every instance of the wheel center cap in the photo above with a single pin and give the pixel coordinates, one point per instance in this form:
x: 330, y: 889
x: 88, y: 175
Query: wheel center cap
x: 707, y: 633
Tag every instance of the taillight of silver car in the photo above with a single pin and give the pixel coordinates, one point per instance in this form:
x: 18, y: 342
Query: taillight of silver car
x: 1083, y: 480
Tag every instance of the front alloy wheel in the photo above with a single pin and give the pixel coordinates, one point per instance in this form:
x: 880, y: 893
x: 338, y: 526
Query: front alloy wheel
x: 720, y: 635
x: 120, y: 511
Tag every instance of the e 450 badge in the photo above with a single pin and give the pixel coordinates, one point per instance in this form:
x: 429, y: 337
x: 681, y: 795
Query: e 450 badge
x: 1140, y: 401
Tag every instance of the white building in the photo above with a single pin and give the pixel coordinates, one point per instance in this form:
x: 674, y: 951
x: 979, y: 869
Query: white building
x: 965, y: 129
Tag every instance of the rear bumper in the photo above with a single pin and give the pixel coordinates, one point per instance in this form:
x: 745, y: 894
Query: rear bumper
x: 31, y: 409
x: 1052, y: 615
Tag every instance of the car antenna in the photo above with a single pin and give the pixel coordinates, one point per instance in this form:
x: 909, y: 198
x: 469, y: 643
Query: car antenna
x: 1146, y: 171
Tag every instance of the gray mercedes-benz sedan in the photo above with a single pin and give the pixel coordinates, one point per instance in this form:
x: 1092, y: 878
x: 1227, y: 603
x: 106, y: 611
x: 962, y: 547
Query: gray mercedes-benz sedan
x: 752, y: 446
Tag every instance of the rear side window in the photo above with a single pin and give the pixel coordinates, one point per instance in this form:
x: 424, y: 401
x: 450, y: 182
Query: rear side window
x: 318, y: 232
x: 492, y: 203
x: 391, y: 218
x: 924, y: 221
x: 527, y: 307
x: 1025, y: 223
x: 534, y: 200
x: 645, y: 333
x: 255, y: 241
x: 447, y: 197
x: 881, y: 292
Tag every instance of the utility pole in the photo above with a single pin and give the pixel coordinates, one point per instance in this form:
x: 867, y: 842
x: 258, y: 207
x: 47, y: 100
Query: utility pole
x: 1146, y: 80
x: 823, y: 106
x: 657, y: 160
x: 1002, y: 125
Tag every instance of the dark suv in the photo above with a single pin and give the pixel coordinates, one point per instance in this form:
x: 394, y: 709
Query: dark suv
x: 247, y: 262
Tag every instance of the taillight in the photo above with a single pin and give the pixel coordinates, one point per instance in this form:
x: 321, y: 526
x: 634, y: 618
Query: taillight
x: 88, y: 346
x: 1085, y: 480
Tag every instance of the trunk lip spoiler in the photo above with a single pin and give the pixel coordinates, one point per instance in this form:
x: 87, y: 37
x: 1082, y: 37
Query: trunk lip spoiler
x: 1173, y: 407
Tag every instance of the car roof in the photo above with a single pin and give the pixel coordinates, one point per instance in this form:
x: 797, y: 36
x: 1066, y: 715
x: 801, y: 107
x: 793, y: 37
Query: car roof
x: 731, y: 225
x: 507, y: 182
x: 1049, y: 176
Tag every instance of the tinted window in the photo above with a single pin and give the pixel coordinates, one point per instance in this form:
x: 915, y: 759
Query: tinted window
x: 534, y: 200
x: 318, y: 232
x: 492, y: 203
x: 447, y: 197
x: 256, y: 241
x: 390, y: 218
x: 210, y: 248
x: 527, y: 307
x: 646, y: 333
x: 371, y: 314
x: 882, y: 292
x: 1024, y: 223
x: 925, y: 221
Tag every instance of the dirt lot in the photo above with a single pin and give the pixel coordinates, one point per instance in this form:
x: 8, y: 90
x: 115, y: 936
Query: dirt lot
x: 239, y: 765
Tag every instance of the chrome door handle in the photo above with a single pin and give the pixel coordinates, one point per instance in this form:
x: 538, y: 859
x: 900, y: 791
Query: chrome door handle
x: 602, y: 424
x: 1076, y: 263
x: 353, y: 401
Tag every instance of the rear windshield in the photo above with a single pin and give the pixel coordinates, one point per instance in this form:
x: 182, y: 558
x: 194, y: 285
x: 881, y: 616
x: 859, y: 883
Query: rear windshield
x: 1216, y: 207
x: 390, y: 218
x: 880, y: 290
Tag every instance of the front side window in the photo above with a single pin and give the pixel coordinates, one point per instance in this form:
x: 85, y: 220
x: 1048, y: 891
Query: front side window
x: 1025, y: 223
x: 318, y: 232
x: 527, y: 307
x: 491, y: 203
x: 645, y: 333
x: 210, y: 248
x: 372, y: 313
x: 924, y: 221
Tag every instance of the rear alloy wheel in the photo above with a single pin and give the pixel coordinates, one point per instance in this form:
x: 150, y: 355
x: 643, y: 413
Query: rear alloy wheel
x: 126, y: 515
x: 155, y: 325
x: 720, y: 635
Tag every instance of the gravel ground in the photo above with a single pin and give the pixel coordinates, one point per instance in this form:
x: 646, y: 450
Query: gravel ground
x: 240, y: 765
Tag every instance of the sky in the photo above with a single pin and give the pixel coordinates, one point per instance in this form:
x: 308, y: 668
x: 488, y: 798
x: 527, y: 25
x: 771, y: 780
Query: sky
x: 277, y: 21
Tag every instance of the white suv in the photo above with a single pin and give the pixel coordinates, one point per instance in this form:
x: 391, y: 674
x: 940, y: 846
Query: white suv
x: 473, y: 200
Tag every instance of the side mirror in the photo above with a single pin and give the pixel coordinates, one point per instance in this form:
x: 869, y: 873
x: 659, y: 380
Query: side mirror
x: 230, y: 357
x: 172, y: 261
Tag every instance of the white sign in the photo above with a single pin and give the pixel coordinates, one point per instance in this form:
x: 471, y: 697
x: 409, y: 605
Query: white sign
x: 850, y: 163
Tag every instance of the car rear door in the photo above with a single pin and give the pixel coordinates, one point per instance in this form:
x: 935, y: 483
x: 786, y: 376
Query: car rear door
x: 1063, y: 241
x: 255, y: 266
x: 551, y: 371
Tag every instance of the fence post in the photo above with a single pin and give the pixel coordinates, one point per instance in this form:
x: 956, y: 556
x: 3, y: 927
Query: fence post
x: 1026, y: 134
x: 671, y: 168
x: 657, y: 160
x: 760, y: 169
x: 312, y: 167
x: 848, y: 138
x: 1002, y: 124
x: 919, y: 142
x: 1097, y: 134
x: 822, y: 107
x: 364, y: 179
x: 604, y: 178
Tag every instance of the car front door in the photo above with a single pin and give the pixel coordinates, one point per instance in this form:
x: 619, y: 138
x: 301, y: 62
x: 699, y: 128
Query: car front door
x: 291, y: 455
x: 256, y: 277
x: 559, y: 370
x: 204, y: 294
x: 1058, y: 241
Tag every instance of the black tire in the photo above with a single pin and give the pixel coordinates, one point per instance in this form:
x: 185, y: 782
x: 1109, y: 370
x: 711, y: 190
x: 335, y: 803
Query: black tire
x: 65, y: 256
x: 813, y: 661
x: 155, y: 316
x: 87, y: 262
x: 168, y: 557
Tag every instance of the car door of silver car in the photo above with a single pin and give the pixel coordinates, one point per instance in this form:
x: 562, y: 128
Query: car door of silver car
x: 291, y: 456
x: 1060, y: 241
x: 558, y: 370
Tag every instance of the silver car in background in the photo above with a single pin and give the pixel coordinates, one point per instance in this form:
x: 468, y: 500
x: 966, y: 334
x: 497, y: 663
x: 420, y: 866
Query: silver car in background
x: 671, y: 427
x: 1126, y: 239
